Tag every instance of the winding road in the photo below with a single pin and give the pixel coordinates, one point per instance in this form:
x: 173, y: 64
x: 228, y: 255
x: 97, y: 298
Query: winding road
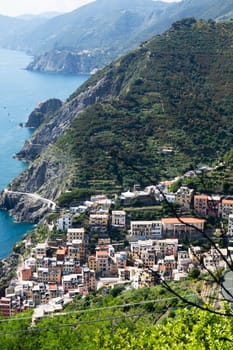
x: 49, y: 202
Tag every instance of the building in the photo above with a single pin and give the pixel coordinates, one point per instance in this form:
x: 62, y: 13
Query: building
x: 43, y: 274
x: 55, y: 274
x: 89, y: 278
x: 195, y: 253
x: 74, y: 234
x: 214, y: 206
x: 160, y: 248
x: 64, y: 222
x: 201, y: 204
x: 184, y: 196
x: 120, y: 259
x: 26, y: 274
x: 207, y: 205
x: 149, y: 258
x: 183, y: 227
x: 145, y: 229
x: 166, y: 266
x: 71, y: 282
x: 118, y: 218
x: 77, y: 250
x: 170, y: 197
x: 60, y: 254
x: 6, y: 307
x: 102, y: 262
x: 230, y: 225
x: 127, y: 198
x: 227, y: 208
x: 92, y: 262
x: 98, y: 222
x: 40, y: 249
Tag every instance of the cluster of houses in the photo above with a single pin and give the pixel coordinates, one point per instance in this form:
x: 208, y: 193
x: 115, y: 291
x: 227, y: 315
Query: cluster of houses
x: 57, y: 270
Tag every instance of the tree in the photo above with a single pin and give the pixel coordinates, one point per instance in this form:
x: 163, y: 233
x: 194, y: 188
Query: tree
x: 194, y: 273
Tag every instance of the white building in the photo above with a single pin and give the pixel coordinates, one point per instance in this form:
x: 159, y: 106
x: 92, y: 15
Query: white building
x: 170, y: 197
x: 118, y: 218
x: 145, y: 229
x: 227, y: 208
x: 40, y: 249
x: 230, y: 225
x: 64, y: 222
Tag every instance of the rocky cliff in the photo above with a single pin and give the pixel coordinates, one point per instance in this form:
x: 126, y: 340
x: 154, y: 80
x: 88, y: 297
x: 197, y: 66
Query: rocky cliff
x: 23, y: 207
x: 63, y: 61
x: 42, y: 111
x: 51, y: 170
x: 58, y: 123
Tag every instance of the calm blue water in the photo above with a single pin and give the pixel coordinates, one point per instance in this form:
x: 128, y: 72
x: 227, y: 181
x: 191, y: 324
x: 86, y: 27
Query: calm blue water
x: 20, y: 92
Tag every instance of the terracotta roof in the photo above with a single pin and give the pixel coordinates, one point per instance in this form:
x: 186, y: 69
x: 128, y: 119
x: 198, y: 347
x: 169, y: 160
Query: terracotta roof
x: 61, y: 252
x: 52, y: 286
x: 168, y: 183
x: 101, y: 253
x: 200, y: 196
x: 182, y: 220
x: 227, y: 201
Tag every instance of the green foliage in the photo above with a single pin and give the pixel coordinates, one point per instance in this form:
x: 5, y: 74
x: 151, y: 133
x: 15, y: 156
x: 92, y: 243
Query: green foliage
x: 171, y: 93
x: 194, y: 273
x: 74, y: 197
x: 175, y: 185
x: 189, y: 330
x: 100, y: 322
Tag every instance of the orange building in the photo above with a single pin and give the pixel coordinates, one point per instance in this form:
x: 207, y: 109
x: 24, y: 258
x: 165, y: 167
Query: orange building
x: 201, y: 204
x: 26, y: 274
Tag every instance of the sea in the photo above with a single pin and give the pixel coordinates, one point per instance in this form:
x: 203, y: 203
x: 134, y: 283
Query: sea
x: 20, y: 92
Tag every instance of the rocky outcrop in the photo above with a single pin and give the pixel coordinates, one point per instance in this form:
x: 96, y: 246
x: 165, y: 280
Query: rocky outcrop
x: 59, y: 122
x: 42, y: 111
x: 50, y: 171
x: 23, y: 207
x: 64, y: 61
x: 49, y: 175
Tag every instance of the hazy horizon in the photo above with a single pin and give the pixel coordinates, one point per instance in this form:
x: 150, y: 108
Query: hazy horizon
x: 15, y: 8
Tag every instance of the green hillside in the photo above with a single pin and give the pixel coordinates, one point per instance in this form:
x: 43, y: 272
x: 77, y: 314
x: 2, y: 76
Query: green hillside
x: 93, y: 35
x: 174, y: 93
x: 144, y: 319
x: 117, y: 25
x: 91, y: 321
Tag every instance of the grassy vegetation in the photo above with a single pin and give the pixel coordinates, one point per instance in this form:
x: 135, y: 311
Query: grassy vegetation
x: 97, y: 317
x: 173, y: 92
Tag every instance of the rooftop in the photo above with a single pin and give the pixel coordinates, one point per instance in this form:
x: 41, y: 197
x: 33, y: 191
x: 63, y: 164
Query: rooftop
x: 182, y: 220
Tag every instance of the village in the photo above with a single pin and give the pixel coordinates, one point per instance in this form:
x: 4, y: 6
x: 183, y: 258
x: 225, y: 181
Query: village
x: 68, y: 264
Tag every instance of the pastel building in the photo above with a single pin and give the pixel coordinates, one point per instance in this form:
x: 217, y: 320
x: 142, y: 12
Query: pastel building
x: 230, y: 225
x: 183, y: 227
x: 119, y: 218
x: 227, y: 208
x: 74, y: 234
x: 207, y: 205
x: 184, y: 196
x: 145, y: 229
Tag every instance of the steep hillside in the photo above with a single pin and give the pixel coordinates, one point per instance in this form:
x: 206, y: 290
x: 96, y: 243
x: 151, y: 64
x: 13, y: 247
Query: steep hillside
x: 109, y: 29
x: 154, y: 113
x: 147, y: 318
x: 13, y: 29
x: 98, y: 25
x: 8, y: 26
x: 99, y: 32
